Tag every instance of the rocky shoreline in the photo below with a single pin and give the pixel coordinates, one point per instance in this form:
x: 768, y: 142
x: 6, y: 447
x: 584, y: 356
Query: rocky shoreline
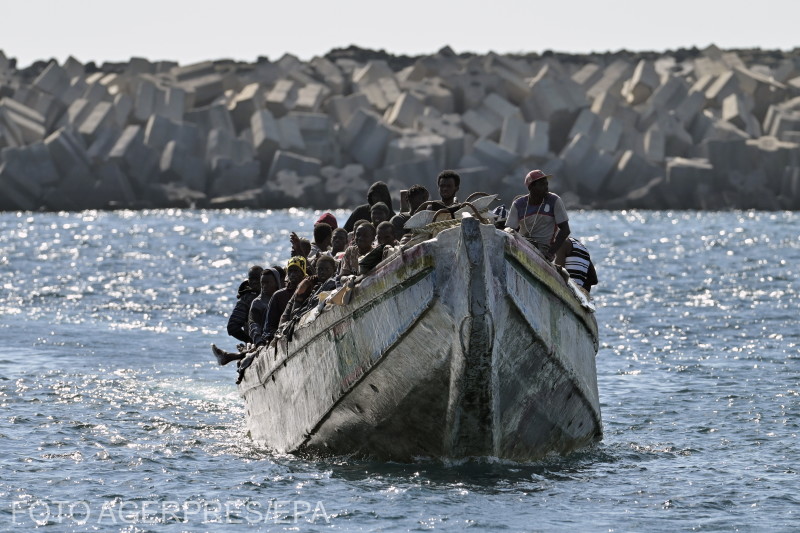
x: 685, y: 129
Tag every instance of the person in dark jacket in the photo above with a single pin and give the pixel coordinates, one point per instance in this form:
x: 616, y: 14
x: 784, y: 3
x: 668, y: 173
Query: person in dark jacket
x: 271, y: 282
x: 295, y: 273
x: 248, y: 291
x: 378, y: 192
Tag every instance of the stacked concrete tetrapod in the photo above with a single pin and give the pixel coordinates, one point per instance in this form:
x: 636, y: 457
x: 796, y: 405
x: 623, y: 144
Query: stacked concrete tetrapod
x: 695, y: 129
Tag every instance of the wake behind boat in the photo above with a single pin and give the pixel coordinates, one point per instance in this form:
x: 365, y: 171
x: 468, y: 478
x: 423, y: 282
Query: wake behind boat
x: 466, y: 342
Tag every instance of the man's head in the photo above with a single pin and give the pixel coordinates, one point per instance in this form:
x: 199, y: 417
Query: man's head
x: 303, y: 247
x: 448, y: 182
x: 385, y: 233
x: 338, y: 240
x: 296, y: 269
x: 322, y: 235
x: 326, y: 267
x: 379, y: 212
x: 417, y: 195
x: 379, y: 192
x: 365, y: 234
x: 398, y: 223
x: 536, y: 183
x: 270, y: 281
x: 254, y: 277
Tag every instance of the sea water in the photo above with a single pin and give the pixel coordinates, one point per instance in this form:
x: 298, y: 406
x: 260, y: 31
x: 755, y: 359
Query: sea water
x: 115, y: 416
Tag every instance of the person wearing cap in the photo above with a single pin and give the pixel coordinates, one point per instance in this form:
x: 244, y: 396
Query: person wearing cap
x: 328, y: 219
x: 540, y: 216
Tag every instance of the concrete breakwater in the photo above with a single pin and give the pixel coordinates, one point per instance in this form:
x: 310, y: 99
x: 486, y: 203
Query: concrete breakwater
x: 696, y: 129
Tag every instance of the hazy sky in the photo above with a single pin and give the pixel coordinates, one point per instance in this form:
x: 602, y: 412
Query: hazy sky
x: 190, y: 31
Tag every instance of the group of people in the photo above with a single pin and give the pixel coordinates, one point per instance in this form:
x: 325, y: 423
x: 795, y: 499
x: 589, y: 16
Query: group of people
x: 272, y: 299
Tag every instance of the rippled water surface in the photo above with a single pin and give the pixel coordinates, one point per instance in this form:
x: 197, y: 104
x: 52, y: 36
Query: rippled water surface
x: 114, y: 417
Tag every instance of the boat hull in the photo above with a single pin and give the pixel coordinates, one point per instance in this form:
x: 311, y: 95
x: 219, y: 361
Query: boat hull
x: 467, y: 344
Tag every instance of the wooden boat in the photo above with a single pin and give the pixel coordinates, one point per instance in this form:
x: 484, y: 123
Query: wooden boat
x: 465, y: 343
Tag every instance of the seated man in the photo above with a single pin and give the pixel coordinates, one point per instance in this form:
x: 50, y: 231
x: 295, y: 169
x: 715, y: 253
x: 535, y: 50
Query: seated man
x: 540, y: 216
x: 412, y: 199
x: 448, y: 182
x: 248, y: 290
x: 295, y: 273
x: 378, y: 192
x: 305, y: 297
x: 362, y: 245
x: 338, y: 242
x: 575, y: 258
x: 379, y: 213
x: 271, y: 282
x: 322, y: 239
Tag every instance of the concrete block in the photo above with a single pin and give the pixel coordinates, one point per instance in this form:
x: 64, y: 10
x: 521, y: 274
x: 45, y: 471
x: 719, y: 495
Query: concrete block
x: 655, y: 144
x: 514, y: 133
x: 113, y: 186
x: 382, y: 93
x: 123, y: 107
x: 14, y: 197
x: 514, y: 85
x: 170, y: 102
x: 498, y: 159
x: 28, y: 170
x: 690, y: 107
x: 49, y: 106
x: 193, y: 71
x: 642, y: 83
x: 281, y: 99
x: 246, y: 102
x: 53, y: 79
x: 291, y: 137
x: 137, y: 160
x: 25, y: 125
x: 330, y: 74
x: 345, y: 187
x: 411, y: 147
x: 726, y: 84
x: 435, y: 94
x: 96, y: 92
x: 587, y: 75
x: 230, y: 178
x: 610, y: 135
x: 614, y: 75
x: 139, y: 65
x: 222, y: 145
x: 736, y: 111
x: 144, y: 101
x: 483, y: 125
x: 102, y: 144
x: 450, y: 128
x: 342, y: 108
x: 667, y: 96
x: 538, y: 140
x: 631, y: 172
x: 68, y: 151
x: 684, y: 176
x: 366, y: 137
x: 371, y: 72
x: 550, y: 103
x: 405, y: 111
x: 591, y: 175
x: 101, y: 119
x: 212, y: 117
x: 311, y: 97
x: 76, y: 113
x: 176, y: 164
x: 318, y: 136
x: 708, y: 127
x: 772, y: 156
x: 587, y: 124
x: 266, y: 136
x: 206, y: 89
x: 404, y: 174
x: 74, y: 192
